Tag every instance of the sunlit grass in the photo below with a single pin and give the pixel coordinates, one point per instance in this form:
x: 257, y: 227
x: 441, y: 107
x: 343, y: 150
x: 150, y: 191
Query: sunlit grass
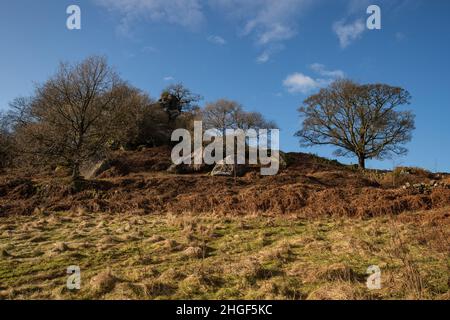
x: 214, y: 257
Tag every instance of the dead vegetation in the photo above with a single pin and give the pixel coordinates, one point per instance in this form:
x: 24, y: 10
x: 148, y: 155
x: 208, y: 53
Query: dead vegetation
x: 136, y: 181
x: 138, y: 232
x: 249, y: 257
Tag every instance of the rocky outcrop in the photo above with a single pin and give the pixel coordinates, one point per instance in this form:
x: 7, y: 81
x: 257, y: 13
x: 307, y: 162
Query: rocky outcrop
x: 223, y: 168
x: 426, y: 188
x: 92, y: 170
x: 183, y: 168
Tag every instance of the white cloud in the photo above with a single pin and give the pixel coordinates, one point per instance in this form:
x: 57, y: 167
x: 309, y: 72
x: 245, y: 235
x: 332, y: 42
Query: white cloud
x: 168, y: 78
x: 356, y: 11
x: 186, y: 13
x: 321, y: 70
x: 268, y: 22
x: 300, y: 83
x: 268, y: 52
x: 217, y: 40
x: 276, y: 32
x: 347, y: 33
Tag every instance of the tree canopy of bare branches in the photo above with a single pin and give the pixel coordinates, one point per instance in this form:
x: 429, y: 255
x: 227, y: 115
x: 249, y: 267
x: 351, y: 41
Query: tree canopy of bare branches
x: 7, y: 146
x: 226, y: 114
x: 361, y: 120
x: 176, y: 99
x: 73, y: 112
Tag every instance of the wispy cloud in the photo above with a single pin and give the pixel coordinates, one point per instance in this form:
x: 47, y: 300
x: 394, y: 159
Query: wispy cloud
x: 186, y: 13
x: 263, y: 57
x: 353, y: 24
x: 276, y: 32
x: 168, y: 78
x: 348, y: 32
x: 218, y: 40
x: 268, y: 22
x: 149, y: 49
x: 321, y: 70
x: 300, y: 83
x: 269, y: 51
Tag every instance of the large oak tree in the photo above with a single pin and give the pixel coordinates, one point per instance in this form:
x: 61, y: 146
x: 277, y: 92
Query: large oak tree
x: 360, y: 120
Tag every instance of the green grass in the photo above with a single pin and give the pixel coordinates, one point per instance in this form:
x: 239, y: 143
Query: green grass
x: 251, y: 257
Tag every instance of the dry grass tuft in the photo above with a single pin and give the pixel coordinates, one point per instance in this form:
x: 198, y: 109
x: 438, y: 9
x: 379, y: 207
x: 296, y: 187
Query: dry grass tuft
x: 126, y: 291
x: 399, y: 250
x: 171, y: 245
x: 156, y: 287
x: 336, y: 291
x: 108, y: 240
x: 194, y: 252
x: 4, y: 253
x: 270, y: 258
x: 171, y: 274
x: 281, y: 253
x: 155, y: 239
x: 252, y: 270
x: 338, y: 272
x: 60, y: 247
x: 103, y: 283
x: 38, y: 239
x: 193, y: 284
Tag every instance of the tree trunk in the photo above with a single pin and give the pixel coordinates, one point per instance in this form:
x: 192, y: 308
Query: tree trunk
x: 76, y: 171
x: 362, y: 162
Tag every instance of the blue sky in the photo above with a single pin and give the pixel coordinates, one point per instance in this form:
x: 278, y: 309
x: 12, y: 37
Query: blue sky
x: 267, y: 54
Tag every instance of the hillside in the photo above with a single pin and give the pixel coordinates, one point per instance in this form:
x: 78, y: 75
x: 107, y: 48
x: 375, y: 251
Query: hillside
x: 137, y: 182
x: 138, y: 232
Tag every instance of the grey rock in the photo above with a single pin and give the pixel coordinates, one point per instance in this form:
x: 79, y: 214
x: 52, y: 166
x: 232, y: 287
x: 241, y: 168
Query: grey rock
x: 223, y: 168
x: 91, y: 170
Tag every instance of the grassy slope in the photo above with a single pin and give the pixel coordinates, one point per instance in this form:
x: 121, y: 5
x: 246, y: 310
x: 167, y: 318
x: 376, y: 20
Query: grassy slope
x: 193, y: 257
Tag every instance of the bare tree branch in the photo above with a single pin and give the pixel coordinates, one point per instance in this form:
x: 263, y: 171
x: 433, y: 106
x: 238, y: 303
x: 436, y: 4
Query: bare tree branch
x: 360, y: 120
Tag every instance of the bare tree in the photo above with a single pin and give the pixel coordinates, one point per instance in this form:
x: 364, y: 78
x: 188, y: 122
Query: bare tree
x: 221, y: 115
x: 125, y: 120
x: 141, y: 120
x: 176, y: 99
x: 361, y: 120
x: 226, y: 114
x: 19, y: 113
x: 6, y: 142
x: 73, y: 113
